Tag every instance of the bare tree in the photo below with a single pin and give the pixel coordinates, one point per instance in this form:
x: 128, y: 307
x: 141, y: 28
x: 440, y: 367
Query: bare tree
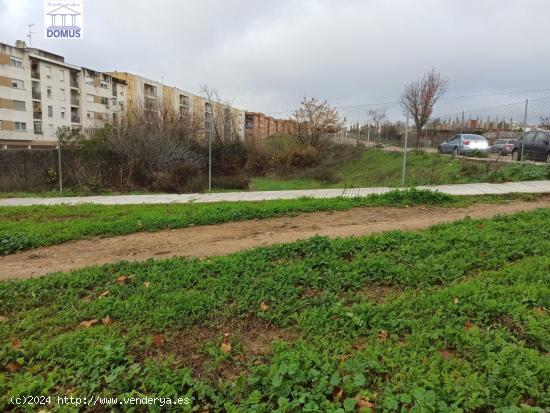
x: 219, y: 116
x: 419, y: 97
x: 156, y: 140
x: 316, y: 121
x: 376, y: 117
x: 545, y: 122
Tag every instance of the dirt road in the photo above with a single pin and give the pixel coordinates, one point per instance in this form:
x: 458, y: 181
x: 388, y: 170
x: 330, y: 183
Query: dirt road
x: 226, y: 238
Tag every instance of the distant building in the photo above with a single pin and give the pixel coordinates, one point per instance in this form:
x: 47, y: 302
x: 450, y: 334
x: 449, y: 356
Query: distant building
x: 40, y: 92
x: 259, y: 126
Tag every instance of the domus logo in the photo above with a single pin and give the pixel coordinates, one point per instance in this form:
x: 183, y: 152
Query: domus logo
x: 63, y: 19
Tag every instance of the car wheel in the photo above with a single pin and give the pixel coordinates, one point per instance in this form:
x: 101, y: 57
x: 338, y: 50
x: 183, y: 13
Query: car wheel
x: 455, y: 152
x: 515, y: 155
x: 439, y: 150
x: 500, y: 152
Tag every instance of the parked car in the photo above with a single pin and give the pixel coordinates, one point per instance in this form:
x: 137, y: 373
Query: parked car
x: 503, y: 146
x: 463, y: 144
x: 536, y: 146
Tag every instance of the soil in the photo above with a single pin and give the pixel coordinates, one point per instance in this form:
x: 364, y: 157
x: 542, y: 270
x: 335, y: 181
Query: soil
x: 213, y: 240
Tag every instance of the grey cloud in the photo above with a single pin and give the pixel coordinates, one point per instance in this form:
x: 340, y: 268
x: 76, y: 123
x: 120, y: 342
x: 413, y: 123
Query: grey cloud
x: 267, y: 55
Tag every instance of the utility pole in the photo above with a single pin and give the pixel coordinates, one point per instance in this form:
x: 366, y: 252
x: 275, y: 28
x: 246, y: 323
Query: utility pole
x: 524, y: 127
x: 60, y: 171
x: 405, y: 150
x: 210, y: 152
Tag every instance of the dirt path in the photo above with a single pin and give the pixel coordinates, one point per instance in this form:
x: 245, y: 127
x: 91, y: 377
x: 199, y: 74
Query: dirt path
x: 226, y: 238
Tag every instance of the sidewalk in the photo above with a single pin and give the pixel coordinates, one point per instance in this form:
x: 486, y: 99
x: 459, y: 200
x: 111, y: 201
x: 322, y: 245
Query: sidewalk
x: 461, y: 189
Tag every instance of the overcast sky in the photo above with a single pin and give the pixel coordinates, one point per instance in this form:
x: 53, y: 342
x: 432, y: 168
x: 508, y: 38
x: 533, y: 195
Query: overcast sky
x: 267, y: 55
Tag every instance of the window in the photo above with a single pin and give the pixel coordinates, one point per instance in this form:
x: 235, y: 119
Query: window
x: 20, y: 126
x: 89, y: 115
x: 62, y: 97
x: 104, y: 101
x: 184, y: 100
x: 18, y: 105
x: 17, y: 84
x: 62, y: 113
x: 50, y: 111
x: 541, y: 137
x: 16, y: 62
x: 49, y: 72
x: 0, y: 124
x: 529, y: 137
x: 62, y: 75
x: 90, y: 98
x: 38, y: 127
x: 49, y: 92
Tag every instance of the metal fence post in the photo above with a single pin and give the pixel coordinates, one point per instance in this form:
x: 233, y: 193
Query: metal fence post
x: 405, y: 150
x: 60, y: 171
x: 524, y: 127
x: 210, y: 152
x: 462, y: 123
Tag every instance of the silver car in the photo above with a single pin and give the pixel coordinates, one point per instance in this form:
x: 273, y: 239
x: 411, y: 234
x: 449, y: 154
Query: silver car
x: 503, y: 146
x: 463, y: 144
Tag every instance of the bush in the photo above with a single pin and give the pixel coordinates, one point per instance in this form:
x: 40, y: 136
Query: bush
x: 325, y: 175
x: 303, y: 157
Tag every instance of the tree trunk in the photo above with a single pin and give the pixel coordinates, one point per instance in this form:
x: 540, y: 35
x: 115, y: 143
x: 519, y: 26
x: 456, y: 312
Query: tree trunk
x: 418, y: 133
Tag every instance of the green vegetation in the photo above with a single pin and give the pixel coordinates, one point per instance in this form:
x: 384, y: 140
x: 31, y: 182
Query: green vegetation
x: 451, y: 319
x: 34, y: 226
x: 28, y: 227
x: 66, y: 193
x: 381, y: 168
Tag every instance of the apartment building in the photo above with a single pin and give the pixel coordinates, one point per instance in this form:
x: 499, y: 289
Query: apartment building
x: 40, y: 93
x: 147, y: 93
x: 259, y: 126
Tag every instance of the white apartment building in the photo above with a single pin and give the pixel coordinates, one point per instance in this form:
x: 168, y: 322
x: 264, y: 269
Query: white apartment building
x: 40, y: 93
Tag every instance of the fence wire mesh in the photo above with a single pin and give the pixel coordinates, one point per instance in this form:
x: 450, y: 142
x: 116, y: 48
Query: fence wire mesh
x: 240, y: 165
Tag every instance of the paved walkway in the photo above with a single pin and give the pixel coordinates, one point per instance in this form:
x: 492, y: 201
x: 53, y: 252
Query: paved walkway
x: 462, y: 189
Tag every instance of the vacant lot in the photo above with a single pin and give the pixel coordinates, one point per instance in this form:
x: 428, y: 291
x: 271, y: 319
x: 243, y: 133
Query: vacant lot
x: 222, y: 239
x: 28, y: 227
x: 454, y: 318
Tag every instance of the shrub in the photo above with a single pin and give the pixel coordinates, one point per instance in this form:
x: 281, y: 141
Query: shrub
x: 303, y: 157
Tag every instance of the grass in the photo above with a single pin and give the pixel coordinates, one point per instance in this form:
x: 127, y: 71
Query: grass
x: 28, y: 227
x: 67, y: 192
x: 381, y: 168
x: 451, y: 319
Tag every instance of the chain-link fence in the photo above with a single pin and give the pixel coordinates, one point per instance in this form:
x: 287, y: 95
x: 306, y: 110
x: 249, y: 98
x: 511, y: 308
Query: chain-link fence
x: 495, y: 116
x: 210, y: 163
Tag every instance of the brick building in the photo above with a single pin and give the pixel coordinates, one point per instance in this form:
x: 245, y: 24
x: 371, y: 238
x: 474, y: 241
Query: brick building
x: 259, y: 126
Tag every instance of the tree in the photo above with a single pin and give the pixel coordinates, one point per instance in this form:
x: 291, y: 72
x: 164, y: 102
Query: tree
x: 419, y: 97
x: 376, y: 117
x: 545, y: 122
x: 315, y: 121
x: 218, y: 116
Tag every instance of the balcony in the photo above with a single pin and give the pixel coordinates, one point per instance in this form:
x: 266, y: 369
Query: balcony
x: 36, y: 94
x: 75, y: 119
x: 37, y: 115
x: 75, y: 101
